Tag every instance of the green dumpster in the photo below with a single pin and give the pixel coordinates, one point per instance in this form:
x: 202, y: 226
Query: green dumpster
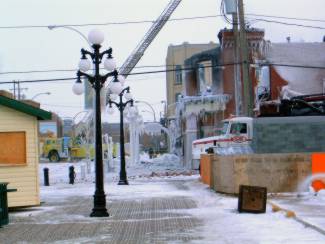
x: 4, y: 217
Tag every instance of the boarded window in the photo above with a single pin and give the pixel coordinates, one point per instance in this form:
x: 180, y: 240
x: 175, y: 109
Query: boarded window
x: 13, y: 147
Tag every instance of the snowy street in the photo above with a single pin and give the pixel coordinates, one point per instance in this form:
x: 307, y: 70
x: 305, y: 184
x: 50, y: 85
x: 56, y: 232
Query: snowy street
x: 158, y: 209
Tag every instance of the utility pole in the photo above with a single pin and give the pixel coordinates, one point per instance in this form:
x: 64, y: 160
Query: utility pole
x: 18, y: 90
x: 237, y: 81
x: 248, y: 86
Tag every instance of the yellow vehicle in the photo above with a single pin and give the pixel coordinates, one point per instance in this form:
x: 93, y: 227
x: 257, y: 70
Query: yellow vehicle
x: 56, y: 149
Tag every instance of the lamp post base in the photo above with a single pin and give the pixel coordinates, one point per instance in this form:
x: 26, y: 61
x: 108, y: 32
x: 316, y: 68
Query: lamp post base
x: 123, y: 182
x: 99, y: 212
x: 99, y: 209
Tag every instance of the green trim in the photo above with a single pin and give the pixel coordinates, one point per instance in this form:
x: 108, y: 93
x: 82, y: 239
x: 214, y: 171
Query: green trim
x: 25, y: 108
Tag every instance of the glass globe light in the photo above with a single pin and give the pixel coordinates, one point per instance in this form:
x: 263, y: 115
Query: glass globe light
x: 109, y: 109
x: 96, y: 37
x: 84, y: 64
x: 121, y: 79
x: 113, y: 96
x: 110, y: 64
x: 115, y: 87
x: 78, y: 88
x: 128, y: 96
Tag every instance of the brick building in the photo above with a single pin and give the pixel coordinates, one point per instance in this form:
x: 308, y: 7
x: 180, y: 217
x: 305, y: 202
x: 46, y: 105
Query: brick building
x: 209, y: 82
x: 176, y: 55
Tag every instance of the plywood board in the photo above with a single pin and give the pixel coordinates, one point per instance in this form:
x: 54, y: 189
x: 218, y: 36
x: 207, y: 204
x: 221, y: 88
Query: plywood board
x: 13, y: 147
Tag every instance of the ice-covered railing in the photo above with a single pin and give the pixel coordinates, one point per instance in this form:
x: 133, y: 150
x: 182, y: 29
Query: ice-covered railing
x: 195, y: 104
x: 233, y: 150
x: 222, y: 98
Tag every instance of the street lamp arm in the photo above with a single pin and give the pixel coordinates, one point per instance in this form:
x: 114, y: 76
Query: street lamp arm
x: 125, y: 89
x: 80, y: 73
x: 45, y: 93
x: 85, y: 52
x: 108, y: 52
x: 113, y: 73
x: 153, y: 111
x: 51, y: 27
x: 115, y: 103
x: 120, y: 105
x: 126, y: 103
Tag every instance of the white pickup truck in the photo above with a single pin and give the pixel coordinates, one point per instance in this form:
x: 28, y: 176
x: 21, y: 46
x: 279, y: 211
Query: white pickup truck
x: 235, y: 132
x: 243, y: 135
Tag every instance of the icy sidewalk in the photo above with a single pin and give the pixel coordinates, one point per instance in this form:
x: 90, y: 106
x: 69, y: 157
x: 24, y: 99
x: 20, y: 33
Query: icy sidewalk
x: 169, y: 209
x: 308, y: 208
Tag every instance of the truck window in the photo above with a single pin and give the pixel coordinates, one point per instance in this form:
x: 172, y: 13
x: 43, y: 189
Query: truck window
x: 238, y: 128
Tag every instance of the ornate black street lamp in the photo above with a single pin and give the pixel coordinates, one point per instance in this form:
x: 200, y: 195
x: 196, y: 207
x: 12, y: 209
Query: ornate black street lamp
x: 121, y: 106
x: 97, y: 81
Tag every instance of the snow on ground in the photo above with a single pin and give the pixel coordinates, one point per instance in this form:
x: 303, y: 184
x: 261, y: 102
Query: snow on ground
x: 222, y: 222
x: 220, y: 213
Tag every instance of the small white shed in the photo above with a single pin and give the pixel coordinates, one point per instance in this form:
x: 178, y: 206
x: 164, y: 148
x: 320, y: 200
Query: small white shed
x: 19, y: 149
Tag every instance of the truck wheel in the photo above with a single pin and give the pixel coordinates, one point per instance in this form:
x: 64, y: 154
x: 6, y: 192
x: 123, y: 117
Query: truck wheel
x: 54, y: 156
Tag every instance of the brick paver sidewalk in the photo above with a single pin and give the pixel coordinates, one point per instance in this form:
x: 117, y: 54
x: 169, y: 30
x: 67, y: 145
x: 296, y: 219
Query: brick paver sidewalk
x: 147, y: 220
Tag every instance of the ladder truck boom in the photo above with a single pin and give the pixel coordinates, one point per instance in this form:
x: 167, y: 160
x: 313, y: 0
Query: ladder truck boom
x: 138, y: 52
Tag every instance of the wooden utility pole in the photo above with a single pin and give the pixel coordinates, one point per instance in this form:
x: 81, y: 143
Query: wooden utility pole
x: 248, y: 87
x: 18, y: 90
x: 237, y: 81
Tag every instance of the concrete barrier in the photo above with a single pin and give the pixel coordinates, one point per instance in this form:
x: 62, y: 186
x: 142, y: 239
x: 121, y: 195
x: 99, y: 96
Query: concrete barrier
x: 278, y: 172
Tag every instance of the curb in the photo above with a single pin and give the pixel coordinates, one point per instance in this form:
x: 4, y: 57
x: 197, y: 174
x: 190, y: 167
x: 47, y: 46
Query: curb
x: 292, y: 214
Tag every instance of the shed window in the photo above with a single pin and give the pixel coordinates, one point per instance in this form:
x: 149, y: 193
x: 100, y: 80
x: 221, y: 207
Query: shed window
x: 13, y: 147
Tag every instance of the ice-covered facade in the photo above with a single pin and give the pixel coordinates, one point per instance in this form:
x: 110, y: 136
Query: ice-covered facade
x: 201, y: 107
x: 277, y: 71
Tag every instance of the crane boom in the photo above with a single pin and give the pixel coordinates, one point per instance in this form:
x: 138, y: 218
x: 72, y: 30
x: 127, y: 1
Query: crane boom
x: 138, y: 52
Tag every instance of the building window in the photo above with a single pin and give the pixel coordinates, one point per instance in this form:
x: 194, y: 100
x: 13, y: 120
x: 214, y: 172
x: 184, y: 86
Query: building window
x: 201, y: 78
x: 13, y: 147
x: 263, y: 86
x: 178, y: 74
x: 177, y: 96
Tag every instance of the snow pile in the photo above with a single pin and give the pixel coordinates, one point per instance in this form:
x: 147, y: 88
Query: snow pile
x: 164, y: 165
x: 168, y: 160
x: 306, y: 81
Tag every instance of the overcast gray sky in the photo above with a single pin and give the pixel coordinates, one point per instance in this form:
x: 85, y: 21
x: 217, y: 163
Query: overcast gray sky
x: 29, y: 49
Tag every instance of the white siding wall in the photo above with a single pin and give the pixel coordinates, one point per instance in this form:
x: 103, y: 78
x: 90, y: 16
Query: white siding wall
x: 24, y: 178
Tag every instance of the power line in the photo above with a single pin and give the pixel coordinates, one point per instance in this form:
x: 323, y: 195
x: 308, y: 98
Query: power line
x: 36, y: 71
x: 134, y: 73
x: 34, y: 81
x: 171, y: 70
x: 107, y: 23
x: 170, y: 20
x: 291, y: 24
x: 283, y: 17
x: 294, y: 66
x: 70, y: 70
